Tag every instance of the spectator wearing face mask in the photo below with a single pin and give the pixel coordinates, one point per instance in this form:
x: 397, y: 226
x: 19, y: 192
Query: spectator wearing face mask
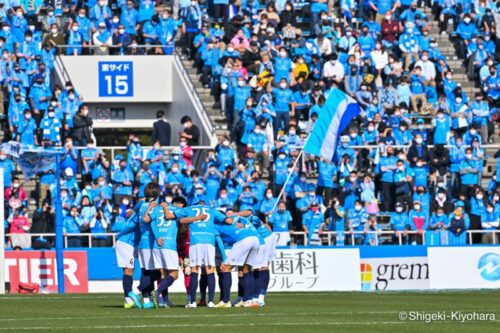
x: 281, y: 223
x: 82, y: 124
x: 122, y: 181
x: 419, y: 221
x: 437, y: 233
x: 357, y: 218
x: 225, y: 154
x: 26, y: 130
x: 469, y: 171
x: 459, y: 224
x: 441, y: 200
x: 490, y: 221
x: 311, y: 224
x: 399, y: 224
x: 191, y: 132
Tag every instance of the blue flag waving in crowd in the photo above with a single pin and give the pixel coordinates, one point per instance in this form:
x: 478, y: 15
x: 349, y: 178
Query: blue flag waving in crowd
x: 336, y: 114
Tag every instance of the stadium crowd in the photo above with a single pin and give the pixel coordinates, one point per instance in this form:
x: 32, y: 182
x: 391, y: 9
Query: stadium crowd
x: 414, y: 154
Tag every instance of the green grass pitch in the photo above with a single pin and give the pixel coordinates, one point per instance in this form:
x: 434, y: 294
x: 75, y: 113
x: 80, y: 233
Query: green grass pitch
x: 284, y: 312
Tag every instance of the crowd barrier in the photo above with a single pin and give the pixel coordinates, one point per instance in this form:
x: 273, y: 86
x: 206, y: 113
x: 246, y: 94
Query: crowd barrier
x: 362, y: 268
x: 327, y: 237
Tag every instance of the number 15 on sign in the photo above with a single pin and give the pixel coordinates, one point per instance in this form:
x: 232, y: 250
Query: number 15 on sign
x: 116, y: 79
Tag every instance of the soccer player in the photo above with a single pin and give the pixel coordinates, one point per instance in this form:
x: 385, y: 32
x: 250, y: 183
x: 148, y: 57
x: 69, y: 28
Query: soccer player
x: 145, y: 249
x: 201, y: 248
x: 126, y: 244
x: 266, y: 255
x: 164, y: 228
x: 243, y: 255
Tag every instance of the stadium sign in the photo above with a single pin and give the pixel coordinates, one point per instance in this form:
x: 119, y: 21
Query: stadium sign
x: 40, y: 267
x: 315, y: 270
x: 394, y: 273
x: 464, y: 267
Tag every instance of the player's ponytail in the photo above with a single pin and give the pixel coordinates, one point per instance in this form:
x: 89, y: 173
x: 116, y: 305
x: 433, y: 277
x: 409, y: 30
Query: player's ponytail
x: 151, y: 192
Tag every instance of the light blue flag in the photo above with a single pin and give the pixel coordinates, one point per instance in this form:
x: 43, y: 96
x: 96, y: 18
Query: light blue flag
x: 335, y: 116
x: 29, y: 158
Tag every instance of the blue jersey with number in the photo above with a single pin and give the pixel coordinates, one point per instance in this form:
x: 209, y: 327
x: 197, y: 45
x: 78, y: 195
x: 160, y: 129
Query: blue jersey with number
x: 201, y: 232
x: 164, y: 228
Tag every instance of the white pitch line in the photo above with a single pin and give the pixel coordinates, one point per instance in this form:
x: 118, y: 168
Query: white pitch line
x: 201, y: 325
x: 219, y: 315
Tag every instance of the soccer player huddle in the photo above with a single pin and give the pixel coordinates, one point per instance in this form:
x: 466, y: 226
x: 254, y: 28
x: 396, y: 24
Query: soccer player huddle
x: 165, y: 236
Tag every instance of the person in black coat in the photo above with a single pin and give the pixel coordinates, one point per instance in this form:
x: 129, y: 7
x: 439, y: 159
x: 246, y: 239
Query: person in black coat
x: 82, y: 124
x: 418, y: 151
x: 43, y: 223
x: 161, y: 129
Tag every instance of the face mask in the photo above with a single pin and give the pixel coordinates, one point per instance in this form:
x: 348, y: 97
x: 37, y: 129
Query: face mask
x: 19, y: 14
x: 81, y: 15
x: 75, y: 29
x: 199, y: 192
x: 418, y: 140
x: 193, y: 3
x: 182, y: 144
x: 490, y: 210
x: 468, y: 156
x: 281, y: 156
x: 269, y: 195
x: 116, y: 20
x: 417, y: 207
x: 53, y: 31
x: 467, y: 20
x: 31, y: 28
x: 51, y: 114
x: 472, y: 131
x: 230, y: 49
x: 225, y: 143
x: 176, y: 157
x: 441, y: 196
x: 410, y: 31
x: 458, y: 100
x: 283, y: 85
x: 102, y: 3
x: 156, y: 147
x: 388, y: 17
x: 174, y: 170
x: 399, y: 209
x: 16, y: 185
x: 28, y: 116
x: 312, y: 194
x: 371, y: 128
x: 6, y: 29
x: 282, y: 54
x: 479, y: 197
x: 348, y: 34
x: 292, y: 133
x: 401, y: 168
x: 241, y: 83
x: 102, y: 183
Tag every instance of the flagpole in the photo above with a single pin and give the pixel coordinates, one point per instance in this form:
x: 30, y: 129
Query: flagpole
x: 290, y: 174
x: 59, y: 229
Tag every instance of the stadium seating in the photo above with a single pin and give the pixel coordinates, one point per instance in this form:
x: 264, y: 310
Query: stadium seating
x: 419, y: 165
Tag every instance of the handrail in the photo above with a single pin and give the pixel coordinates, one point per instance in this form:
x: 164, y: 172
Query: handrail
x: 207, y: 122
x: 292, y: 233
x: 388, y: 232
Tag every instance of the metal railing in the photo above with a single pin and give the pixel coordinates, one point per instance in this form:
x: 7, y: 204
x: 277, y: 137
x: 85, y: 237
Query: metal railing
x: 189, y: 86
x: 400, y: 235
x: 113, y: 149
x: 301, y: 234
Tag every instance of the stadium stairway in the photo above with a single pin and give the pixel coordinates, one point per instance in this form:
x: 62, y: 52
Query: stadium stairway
x: 218, y: 119
x: 448, y: 50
